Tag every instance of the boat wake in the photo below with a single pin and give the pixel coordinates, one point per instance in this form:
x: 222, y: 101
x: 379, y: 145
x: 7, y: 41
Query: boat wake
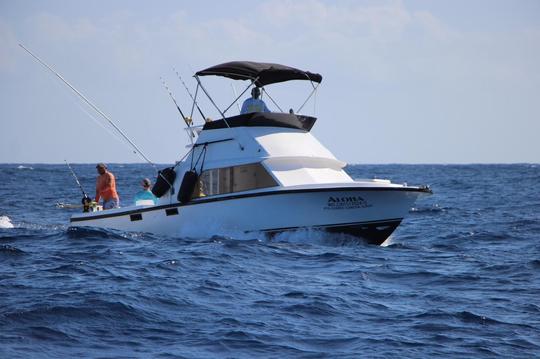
x: 318, y: 237
x: 433, y: 209
x: 106, y: 233
x: 5, y: 222
x: 301, y: 236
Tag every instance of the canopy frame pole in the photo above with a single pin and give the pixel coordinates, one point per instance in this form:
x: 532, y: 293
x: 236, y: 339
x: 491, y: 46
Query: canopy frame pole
x: 194, y: 101
x: 243, y: 92
x: 190, y: 95
x: 315, y: 87
x: 271, y: 99
x: 212, y: 100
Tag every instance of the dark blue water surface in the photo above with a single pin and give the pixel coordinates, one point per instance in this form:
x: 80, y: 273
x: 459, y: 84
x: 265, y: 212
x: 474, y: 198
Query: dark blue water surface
x: 459, y: 278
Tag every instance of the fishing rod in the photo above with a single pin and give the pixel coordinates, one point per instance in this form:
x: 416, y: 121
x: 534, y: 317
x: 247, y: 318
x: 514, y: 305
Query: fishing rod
x: 187, y: 120
x: 89, y: 103
x: 86, y: 200
x: 190, y: 95
x: 76, y: 179
x: 236, y: 96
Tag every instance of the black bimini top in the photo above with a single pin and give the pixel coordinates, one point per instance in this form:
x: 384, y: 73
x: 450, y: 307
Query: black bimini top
x: 264, y: 119
x: 263, y: 73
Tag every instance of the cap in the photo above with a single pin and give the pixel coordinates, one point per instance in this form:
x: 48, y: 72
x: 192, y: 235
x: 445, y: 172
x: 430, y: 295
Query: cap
x: 101, y: 165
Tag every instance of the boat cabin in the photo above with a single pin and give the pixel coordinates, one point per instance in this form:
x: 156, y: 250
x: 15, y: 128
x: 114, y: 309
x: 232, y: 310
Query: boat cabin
x: 255, y: 151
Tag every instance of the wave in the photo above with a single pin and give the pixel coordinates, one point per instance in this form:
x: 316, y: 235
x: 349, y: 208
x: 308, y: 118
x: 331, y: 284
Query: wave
x: 49, y: 334
x: 10, y: 250
x: 21, y: 167
x: 5, y: 222
x: 103, y: 233
x: 315, y: 308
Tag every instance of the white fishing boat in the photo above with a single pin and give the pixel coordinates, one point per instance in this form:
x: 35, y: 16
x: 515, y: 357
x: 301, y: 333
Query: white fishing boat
x: 261, y: 172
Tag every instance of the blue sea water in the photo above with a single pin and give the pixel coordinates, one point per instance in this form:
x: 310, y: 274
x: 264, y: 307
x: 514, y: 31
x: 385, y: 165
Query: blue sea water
x: 459, y: 278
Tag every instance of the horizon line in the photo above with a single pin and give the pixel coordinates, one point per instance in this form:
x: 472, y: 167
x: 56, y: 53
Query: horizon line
x: 348, y: 164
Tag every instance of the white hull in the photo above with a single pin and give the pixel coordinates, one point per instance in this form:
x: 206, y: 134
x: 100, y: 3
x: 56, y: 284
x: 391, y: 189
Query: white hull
x: 370, y: 213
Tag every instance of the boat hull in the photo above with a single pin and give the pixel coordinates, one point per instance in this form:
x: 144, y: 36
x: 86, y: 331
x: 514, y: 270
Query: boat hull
x: 368, y: 213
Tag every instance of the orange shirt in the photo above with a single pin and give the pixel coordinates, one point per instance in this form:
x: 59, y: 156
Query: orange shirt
x: 106, y: 187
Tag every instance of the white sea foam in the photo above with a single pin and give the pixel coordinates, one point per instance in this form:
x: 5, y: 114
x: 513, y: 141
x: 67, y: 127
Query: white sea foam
x: 5, y: 222
x: 307, y: 235
x: 388, y: 241
x: 21, y: 167
x: 212, y: 228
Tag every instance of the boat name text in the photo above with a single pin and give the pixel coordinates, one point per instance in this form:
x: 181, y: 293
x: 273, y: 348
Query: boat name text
x: 346, y: 202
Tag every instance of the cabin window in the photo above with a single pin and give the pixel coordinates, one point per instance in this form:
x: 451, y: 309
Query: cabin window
x: 233, y: 179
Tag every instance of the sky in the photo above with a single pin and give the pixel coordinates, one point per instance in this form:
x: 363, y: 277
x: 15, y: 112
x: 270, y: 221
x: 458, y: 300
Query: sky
x: 403, y: 81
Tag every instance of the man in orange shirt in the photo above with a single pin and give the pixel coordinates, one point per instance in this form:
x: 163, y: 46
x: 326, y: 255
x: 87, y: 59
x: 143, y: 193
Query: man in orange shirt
x: 106, y: 188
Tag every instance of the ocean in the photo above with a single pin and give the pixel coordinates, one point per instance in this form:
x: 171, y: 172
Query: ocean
x: 460, y: 278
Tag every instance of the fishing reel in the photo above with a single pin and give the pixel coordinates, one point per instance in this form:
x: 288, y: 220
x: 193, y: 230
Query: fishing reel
x: 86, y: 202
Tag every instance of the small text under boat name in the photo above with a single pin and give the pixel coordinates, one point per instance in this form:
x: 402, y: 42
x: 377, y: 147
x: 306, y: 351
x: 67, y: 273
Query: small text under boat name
x: 347, y: 202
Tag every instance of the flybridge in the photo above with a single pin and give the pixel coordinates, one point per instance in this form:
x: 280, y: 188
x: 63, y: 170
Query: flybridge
x: 259, y: 74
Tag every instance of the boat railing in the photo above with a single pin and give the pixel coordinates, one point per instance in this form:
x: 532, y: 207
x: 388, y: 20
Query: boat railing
x: 194, y: 129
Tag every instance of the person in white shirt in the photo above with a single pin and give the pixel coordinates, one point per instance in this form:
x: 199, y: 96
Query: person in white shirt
x: 254, y: 103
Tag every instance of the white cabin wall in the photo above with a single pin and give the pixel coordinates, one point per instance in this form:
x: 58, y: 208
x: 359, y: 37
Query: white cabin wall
x: 294, y: 157
x: 286, y: 142
x: 242, y: 149
x: 253, y: 144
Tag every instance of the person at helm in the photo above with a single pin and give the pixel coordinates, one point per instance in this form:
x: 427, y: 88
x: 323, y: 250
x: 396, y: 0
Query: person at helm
x: 254, y: 103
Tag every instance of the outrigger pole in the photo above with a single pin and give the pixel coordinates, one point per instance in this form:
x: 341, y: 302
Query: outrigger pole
x: 94, y: 107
